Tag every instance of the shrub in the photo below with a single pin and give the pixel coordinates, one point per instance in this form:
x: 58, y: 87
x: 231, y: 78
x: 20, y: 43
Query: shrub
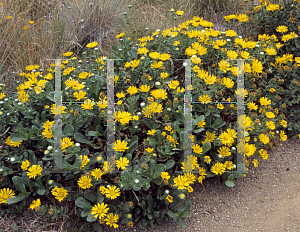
x: 278, y: 23
x: 149, y: 127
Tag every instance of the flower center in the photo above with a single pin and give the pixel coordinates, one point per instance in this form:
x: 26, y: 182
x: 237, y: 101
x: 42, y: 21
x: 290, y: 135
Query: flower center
x: 5, y: 196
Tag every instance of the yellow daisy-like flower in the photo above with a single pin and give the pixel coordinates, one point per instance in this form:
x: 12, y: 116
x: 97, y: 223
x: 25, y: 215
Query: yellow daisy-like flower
x: 270, y: 115
x: 169, y: 198
x: 65, y: 143
x: 157, y: 64
x: 68, y: 54
x: 34, y: 170
x: 164, y: 75
x: 11, y: 143
x: 197, y: 149
x: 122, y: 163
x: 264, y: 101
x: 151, y: 132
x: 270, y: 125
x: 283, y: 137
x: 35, y: 204
x: 226, y: 138
x: 181, y: 182
x: 112, y: 192
x: 84, y: 161
x: 252, y: 106
x: 228, y: 165
x: 204, y: 98
x: 159, y: 94
x: 132, y: 90
x: 25, y: 165
x: 249, y: 149
x: 179, y: 12
x: 263, y: 154
x: 120, y: 146
x: 164, y: 56
x: 120, y: 95
x: 173, y: 84
x: 165, y: 175
x: 242, y: 18
x: 99, y: 210
x: 207, y: 159
x: 232, y: 54
x: 149, y: 150
x: 154, y: 55
x: 224, y: 151
x: 264, y: 138
x: 218, y: 168
x: 111, y: 220
x: 92, y: 45
x: 59, y: 193
x: 85, y: 182
x: 144, y: 88
x: 97, y: 173
x: 5, y: 194
x: 255, y: 163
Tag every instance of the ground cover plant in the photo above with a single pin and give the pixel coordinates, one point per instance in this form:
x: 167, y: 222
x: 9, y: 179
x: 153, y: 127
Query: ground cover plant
x: 149, y: 125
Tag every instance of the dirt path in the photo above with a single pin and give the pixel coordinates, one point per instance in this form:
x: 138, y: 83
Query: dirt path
x: 266, y: 200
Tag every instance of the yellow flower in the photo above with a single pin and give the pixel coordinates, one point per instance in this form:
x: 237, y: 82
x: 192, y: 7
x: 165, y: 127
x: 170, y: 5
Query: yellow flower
x: 242, y: 18
x: 34, y: 170
x: 120, y: 35
x: 25, y: 165
x: 181, y: 182
x: 207, y: 159
x: 224, y: 66
x: 151, y: 132
x: 169, y: 198
x: 68, y: 54
x: 65, y: 143
x: 154, y: 55
x: 88, y: 105
x: 120, y: 146
x: 179, y: 12
x: 173, y: 84
x: 231, y: 33
x: 11, y: 143
x: 35, y: 204
x: 197, y: 149
x: 164, y: 56
x: 132, y: 90
x: 264, y: 138
x: 122, y: 163
x: 283, y: 137
x: 111, y: 220
x: 232, y: 54
x: 165, y: 175
x: 204, y: 98
x: 92, y: 45
x: 149, y: 150
x: 112, y: 192
x: 134, y: 64
x: 59, y: 193
x: 218, y: 168
x: 5, y: 194
x: 159, y: 94
x: 99, y: 210
x: 270, y: 115
x: 97, y: 173
x: 144, y: 88
x: 85, y: 182
x: 157, y: 64
x: 164, y: 75
x: 255, y: 163
x: 79, y: 95
x: 228, y: 165
x: 84, y: 161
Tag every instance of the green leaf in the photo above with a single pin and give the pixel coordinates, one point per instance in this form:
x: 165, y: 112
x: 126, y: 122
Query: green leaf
x: 90, y: 195
x: 49, y: 86
x: 206, y: 147
x: 158, y: 170
x: 41, y: 191
x: 151, y: 166
x: 90, y: 217
x: 97, y: 227
x: 173, y: 215
x: 153, y: 142
x: 82, y: 203
x: 15, y: 199
x: 198, y: 130
x: 15, y: 137
x: 185, y: 206
x: 158, y: 135
x: 32, y: 157
x: 184, y: 214
x: 169, y: 164
x: 43, y: 116
x: 181, y: 223
x: 176, y: 126
x: 32, y: 132
x: 210, y: 174
x: 133, y: 144
x: 229, y: 183
x: 149, y: 201
x: 198, y: 119
x: 81, y: 138
x: 68, y: 130
x: 93, y: 133
x: 19, y: 183
x: 85, y: 212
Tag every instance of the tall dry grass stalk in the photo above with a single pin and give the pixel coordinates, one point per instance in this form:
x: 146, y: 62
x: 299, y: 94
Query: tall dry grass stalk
x: 58, y: 26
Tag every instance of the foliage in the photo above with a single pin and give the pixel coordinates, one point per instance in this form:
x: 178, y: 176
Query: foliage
x: 149, y: 174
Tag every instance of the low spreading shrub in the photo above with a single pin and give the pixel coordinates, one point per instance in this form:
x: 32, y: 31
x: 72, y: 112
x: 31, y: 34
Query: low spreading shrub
x: 149, y: 122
